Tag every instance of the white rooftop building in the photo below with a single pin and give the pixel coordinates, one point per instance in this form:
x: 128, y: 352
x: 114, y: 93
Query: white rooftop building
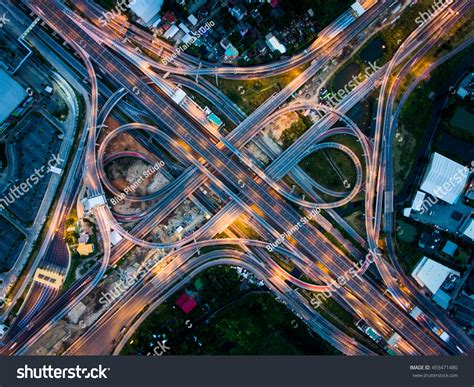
x: 444, y: 336
x: 11, y: 95
x: 3, y: 330
x: 431, y: 274
x: 178, y: 96
x: 418, y: 201
x: 358, y: 9
x: 469, y: 230
x: 96, y: 201
x: 187, y: 38
x: 445, y: 179
x: 465, y: 88
x: 115, y: 237
x: 394, y: 339
x: 170, y: 32
x: 185, y: 28
x: 147, y: 10
x: 275, y: 44
x: 416, y: 312
x: 192, y: 19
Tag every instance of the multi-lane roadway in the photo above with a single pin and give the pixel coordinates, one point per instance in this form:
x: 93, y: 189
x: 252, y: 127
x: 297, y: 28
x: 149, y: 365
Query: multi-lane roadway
x: 220, y: 161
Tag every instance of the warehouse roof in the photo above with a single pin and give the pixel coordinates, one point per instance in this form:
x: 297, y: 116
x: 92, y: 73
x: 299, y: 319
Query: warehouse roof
x: 11, y: 95
x: 431, y: 274
x: 445, y: 178
x: 146, y: 10
x: 418, y: 201
x: 469, y: 230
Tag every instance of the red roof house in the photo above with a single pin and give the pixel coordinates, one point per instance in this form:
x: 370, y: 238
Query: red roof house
x: 186, y: 303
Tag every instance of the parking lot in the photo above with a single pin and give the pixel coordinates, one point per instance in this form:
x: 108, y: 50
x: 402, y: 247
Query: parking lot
x: 36, y: 141
x: 10, y: 244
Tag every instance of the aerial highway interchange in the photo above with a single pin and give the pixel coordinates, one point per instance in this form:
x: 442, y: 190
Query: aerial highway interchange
x: 115, y: 74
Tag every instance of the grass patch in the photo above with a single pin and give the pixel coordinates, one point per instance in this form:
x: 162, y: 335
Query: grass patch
x: 250, y: 94
x: 330, y: 167
x: 462, y: 255
x: 296, y: 129
x: 407, y: 244
x: 394, y: 35
x: 71, y: 275
x: 227, y: 321
x: 337, y: 313
x: 357, y: 221
x: 406, y: 232
x: 404, y: 150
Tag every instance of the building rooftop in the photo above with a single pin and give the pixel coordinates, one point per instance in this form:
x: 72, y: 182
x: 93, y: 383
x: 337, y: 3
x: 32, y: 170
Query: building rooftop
x: 358, y: 8
x: 83, y: 237
x: 115, y: 237
x: 186, y: 303
x: 93, y: 202
x: 238, y: 11
x: 418, y: 201
x: 469, y: 230
x: 431, y: 274
x: 275, y: 44
x: 450, y: 248
x: 416, y: 312
x: 170, y: 32
x: 85, y: 248
x: 442, y: 299
x: 231, y: 53
x: 146, y: 10
x: 445, y: 178
x: 192, y: 19
x: 215, y: 120
x: 394, y: 339
x: 185, y: 28
x: 466, y: 87
x: 11, y: 95
x: 178, y: 96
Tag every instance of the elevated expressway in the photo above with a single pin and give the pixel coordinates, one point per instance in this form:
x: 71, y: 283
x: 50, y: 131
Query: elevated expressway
x: 215, y: 157
x: 231, y: 173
